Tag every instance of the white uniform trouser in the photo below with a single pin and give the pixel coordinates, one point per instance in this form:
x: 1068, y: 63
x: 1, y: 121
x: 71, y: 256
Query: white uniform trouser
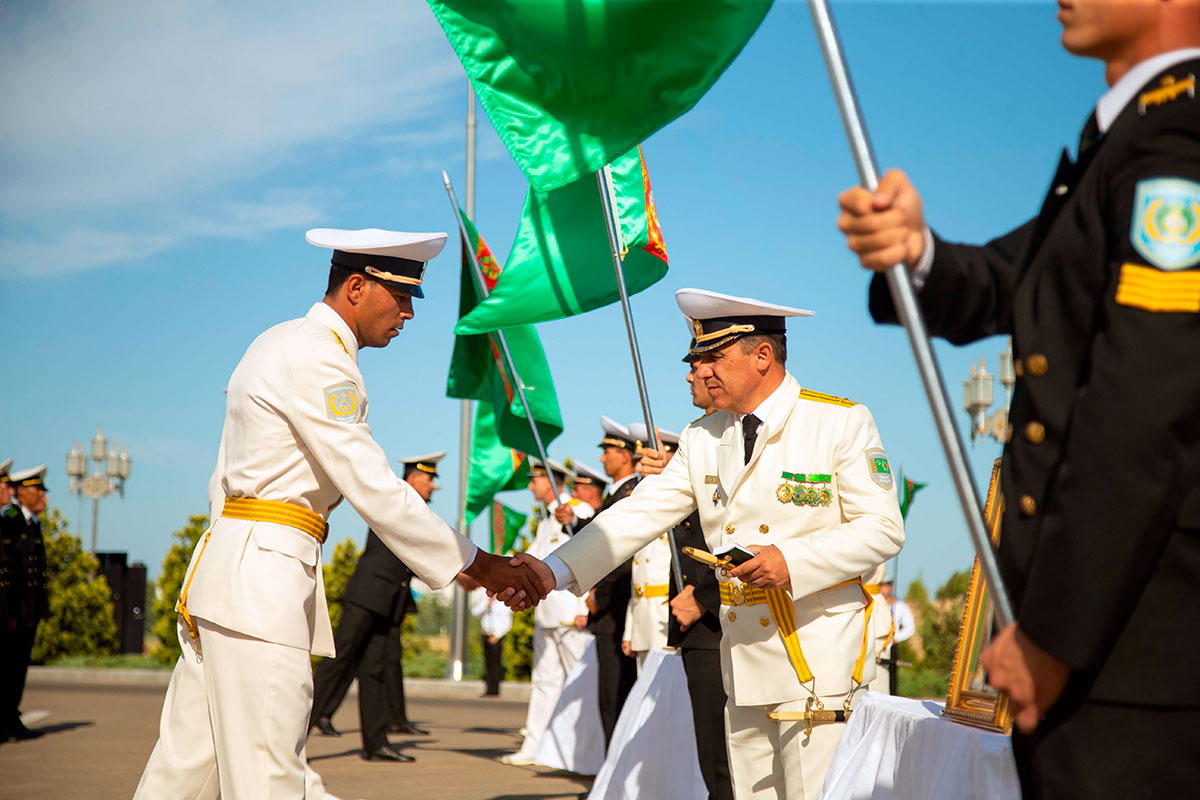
x: 776, y: 760
x: 555, y: 651
x: 233, y: 722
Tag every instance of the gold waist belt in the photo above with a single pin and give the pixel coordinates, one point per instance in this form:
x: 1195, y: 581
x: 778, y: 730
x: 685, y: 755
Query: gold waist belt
x: 784, y: 615
x: 251, y: 508
x: 301, y: 519
x: 652, y: 591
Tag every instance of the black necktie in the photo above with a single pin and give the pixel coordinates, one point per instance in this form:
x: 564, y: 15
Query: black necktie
x: 1089, y: 137
x: 750, y: 425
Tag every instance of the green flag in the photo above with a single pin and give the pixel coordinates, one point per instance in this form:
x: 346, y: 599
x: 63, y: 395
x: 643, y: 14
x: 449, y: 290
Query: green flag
x: 570, y: 85
x: 560, y: 263
x: 494, y: 466
x: 478, y: 370
x: 909, y: 491
x: 506, y: 526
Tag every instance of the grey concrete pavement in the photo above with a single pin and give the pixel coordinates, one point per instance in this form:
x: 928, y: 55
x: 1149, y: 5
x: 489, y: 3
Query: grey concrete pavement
x: 97, y: 739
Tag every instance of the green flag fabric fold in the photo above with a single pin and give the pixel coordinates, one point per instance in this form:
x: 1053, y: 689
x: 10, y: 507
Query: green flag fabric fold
x: 560, y: 263
x: 478, y: 370
x: 907, y: 493
x: 506, y: 527
x: 570, y: 85
x: 494, y: 466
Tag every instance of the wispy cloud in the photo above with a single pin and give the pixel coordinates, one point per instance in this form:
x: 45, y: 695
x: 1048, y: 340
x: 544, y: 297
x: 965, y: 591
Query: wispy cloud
x: 113, y: 109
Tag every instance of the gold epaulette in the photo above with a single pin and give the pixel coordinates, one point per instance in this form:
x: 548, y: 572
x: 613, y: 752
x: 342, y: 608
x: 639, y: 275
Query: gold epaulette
x: 821, y: 397
x: 1169, y: 88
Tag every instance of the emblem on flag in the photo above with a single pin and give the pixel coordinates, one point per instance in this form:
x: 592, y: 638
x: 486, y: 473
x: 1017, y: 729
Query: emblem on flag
x: 1166, y: 222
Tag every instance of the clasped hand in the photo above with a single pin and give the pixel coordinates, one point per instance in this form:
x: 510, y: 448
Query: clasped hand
x: 519, y: 582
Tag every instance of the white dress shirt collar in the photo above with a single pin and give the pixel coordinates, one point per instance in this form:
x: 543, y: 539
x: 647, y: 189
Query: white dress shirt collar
x: 1122, y: 91
x: 29, y: 515
x: 325, y: 315
x: 763, y: 412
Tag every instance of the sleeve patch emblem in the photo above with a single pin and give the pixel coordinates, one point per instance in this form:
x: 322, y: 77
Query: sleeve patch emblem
x: 1166, y: 222
x: 341, y: 402
x: 880, y: 469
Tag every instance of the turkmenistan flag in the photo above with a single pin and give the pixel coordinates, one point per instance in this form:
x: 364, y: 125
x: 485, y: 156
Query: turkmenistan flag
x: 506, y: 527
x: 478, y: 370
x: 570, y: 85
x: 561, y: 262
x: 907, y: 492
x: 494, y: 466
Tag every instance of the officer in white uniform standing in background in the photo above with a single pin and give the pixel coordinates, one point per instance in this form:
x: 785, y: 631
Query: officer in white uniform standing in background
x: 800, y: 479
x: 252, y: 608
x: 558, y: 636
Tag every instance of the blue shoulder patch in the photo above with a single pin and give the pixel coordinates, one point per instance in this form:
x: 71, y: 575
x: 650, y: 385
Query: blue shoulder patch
x: 1166, y: 222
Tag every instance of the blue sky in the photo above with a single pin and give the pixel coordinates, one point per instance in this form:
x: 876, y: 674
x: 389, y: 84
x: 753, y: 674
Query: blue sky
x: 159, y: 164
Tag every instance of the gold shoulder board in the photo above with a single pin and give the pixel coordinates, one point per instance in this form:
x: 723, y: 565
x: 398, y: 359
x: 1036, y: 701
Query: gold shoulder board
x: 821, y: 397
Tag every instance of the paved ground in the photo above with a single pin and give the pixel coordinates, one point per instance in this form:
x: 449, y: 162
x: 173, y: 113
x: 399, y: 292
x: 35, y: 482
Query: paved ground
x: 98, y: 737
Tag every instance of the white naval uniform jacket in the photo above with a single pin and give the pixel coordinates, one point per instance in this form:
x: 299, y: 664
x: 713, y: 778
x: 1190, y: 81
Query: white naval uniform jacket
x: 646, y: 618
x: 296, y: 432
x: 822, y: 545
x: 559, y: 609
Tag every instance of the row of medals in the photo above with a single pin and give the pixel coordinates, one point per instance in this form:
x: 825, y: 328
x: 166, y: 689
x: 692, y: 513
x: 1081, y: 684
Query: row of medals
x: 803, y: 494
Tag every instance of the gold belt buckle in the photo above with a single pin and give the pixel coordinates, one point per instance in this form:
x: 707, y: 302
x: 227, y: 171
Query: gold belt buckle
x: 639, y: 591
x: 739, y: 595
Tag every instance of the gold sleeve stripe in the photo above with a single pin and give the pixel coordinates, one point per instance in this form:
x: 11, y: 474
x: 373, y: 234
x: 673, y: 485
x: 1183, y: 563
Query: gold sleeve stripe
x: 1155, y: 290
x: 821, y: 397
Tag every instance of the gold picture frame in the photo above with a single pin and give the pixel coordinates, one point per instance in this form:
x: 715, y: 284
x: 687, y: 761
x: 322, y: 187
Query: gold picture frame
x: 971, y: 701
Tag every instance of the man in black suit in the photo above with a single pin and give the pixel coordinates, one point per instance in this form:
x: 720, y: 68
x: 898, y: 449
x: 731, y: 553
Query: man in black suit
x: 23, y: 599
x: 608, y: 599
x: 377, y: 599
x: 1100, y: 540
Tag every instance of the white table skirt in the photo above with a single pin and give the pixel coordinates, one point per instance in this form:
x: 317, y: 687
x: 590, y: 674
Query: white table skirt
x: 895, y: 748
x: 654, y: 739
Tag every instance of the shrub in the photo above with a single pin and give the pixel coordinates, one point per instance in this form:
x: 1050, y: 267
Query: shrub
x: 81, y: 621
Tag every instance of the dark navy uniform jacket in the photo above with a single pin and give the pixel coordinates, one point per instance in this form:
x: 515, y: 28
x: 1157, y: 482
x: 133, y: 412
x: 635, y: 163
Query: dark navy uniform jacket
x: 1100, y: 543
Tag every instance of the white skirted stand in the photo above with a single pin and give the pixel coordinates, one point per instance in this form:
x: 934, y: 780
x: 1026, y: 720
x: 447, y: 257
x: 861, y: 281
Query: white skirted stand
x: 654, y: 740
x: 574, y: 739
x: 895, y: 748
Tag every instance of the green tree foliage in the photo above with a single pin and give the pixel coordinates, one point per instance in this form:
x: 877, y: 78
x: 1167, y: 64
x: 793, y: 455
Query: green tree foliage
x: 170, y: 584
x: 956, y: 586
x: 337, y: 574
x: 931, y: 649
x: 81, y: 611
x: 518, y: 647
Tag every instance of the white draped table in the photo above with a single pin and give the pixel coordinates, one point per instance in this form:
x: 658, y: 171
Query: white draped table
x: 895, y: 748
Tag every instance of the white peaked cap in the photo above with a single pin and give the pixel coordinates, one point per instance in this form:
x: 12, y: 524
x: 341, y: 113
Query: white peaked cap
x: 374, y: 241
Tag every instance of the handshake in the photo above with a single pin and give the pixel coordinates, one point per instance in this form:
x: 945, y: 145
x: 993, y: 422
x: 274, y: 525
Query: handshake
x: 519, y: 582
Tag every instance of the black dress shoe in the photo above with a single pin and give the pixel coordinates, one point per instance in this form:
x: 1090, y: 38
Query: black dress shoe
x: 20, y: 733
x: 408, y: 728
x: 387, y: 752
x: 325, y: 726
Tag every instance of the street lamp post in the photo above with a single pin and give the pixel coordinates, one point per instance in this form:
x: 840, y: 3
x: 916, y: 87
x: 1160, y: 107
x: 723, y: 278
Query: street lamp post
x: 978, y: 396
x: 98, y: 484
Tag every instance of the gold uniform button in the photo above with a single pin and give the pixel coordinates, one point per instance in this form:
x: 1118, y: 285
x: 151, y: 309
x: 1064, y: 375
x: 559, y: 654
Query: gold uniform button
x: 1019, y: 367
x: 1028, y: 505
x: 732, y: 616
x: 729, y: 529
x: 764, y: 621
x: 1035, y: 432
x: 1037, y: 365
x: 1008, y: 431
x: 764, y: 528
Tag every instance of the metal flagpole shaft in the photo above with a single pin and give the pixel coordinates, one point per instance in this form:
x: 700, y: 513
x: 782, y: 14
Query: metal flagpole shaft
x: 500, y: 338
x: 614, y: 244
x: 910, y: 315
x: 456, y: 664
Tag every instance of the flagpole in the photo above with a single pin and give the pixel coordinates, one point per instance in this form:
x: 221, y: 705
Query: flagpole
x: 910, y: 315
x: 604, y: 183
x: 456, y: 664
x: 501, y: 340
